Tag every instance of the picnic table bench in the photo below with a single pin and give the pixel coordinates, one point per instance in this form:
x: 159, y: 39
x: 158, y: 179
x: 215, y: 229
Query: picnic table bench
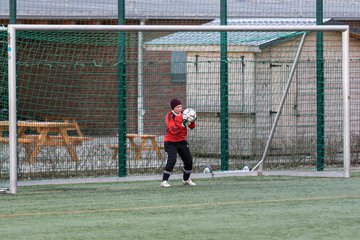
x: 146, y: 143
x: 73, y: 128
x: 35, y: 135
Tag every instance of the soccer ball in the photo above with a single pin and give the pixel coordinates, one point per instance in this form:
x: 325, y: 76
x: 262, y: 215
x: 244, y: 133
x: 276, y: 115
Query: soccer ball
x: 189, y: 115
x: 207, y: 169
x: 246, y: 169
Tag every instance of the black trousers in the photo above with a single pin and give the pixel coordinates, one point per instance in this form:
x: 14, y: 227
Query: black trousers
x: 181, y: 148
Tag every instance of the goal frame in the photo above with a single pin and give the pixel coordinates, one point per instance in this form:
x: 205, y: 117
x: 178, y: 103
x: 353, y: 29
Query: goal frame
x: 13, y: 28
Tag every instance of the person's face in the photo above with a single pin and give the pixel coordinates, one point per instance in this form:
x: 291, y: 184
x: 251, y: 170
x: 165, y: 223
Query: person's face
x: 178, y: 109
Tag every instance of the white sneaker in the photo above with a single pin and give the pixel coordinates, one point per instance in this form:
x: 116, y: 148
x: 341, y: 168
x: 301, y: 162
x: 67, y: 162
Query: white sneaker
x: 189, y: 182
x: 165, y: 184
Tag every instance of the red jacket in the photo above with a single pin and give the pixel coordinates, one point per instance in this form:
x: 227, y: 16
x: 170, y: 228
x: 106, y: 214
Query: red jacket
x: 175, y: 131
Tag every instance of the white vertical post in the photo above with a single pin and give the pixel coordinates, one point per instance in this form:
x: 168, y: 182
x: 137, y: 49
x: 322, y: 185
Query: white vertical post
x: 346, y: 100
x: 140, y: 98
x: 12, y: 107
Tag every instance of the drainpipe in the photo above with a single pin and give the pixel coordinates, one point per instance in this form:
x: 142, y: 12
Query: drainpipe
x: 140, y: 98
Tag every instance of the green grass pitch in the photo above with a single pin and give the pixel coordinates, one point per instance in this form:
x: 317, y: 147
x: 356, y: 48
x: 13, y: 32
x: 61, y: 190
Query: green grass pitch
x: 217, y: 208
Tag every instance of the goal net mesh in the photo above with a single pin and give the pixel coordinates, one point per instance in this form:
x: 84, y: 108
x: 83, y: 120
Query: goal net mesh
x: 69, y: 76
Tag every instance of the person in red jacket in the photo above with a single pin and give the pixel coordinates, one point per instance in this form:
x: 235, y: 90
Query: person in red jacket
x: 175, y: 143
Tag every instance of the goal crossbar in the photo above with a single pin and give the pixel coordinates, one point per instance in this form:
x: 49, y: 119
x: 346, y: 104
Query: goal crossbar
x: 177, y: 28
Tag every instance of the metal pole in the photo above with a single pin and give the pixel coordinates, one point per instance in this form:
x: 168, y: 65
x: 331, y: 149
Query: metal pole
x: 320, y: 98
x: 346, y: 101
x: 283, y: 98
x: 224, y: 91
x: 140, y: 100
x: 12, y: 107
x: 122, y: 92
x: 12, y: 4
x: 177, y: 28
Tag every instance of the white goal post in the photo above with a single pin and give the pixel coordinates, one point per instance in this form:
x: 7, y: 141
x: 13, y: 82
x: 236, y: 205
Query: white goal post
x: 13, y: 28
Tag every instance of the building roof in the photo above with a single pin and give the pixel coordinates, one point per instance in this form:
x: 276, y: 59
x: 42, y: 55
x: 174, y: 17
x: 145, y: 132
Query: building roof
x: 178, y: 9
x: 255, y: 39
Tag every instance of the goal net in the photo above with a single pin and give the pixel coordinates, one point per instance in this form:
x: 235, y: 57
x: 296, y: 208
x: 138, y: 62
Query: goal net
x: 4, y: 165
x: 272, y: 97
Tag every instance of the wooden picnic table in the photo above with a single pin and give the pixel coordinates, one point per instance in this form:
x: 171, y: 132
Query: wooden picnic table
x: 75, y: 127
x: 35, y: 135
x: 146, y: 142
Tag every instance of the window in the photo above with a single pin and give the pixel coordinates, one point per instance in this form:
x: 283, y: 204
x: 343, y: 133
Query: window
x: 178, y: 67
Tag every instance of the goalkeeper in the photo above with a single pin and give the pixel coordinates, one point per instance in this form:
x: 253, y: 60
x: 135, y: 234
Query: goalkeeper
x: 175, y: 143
